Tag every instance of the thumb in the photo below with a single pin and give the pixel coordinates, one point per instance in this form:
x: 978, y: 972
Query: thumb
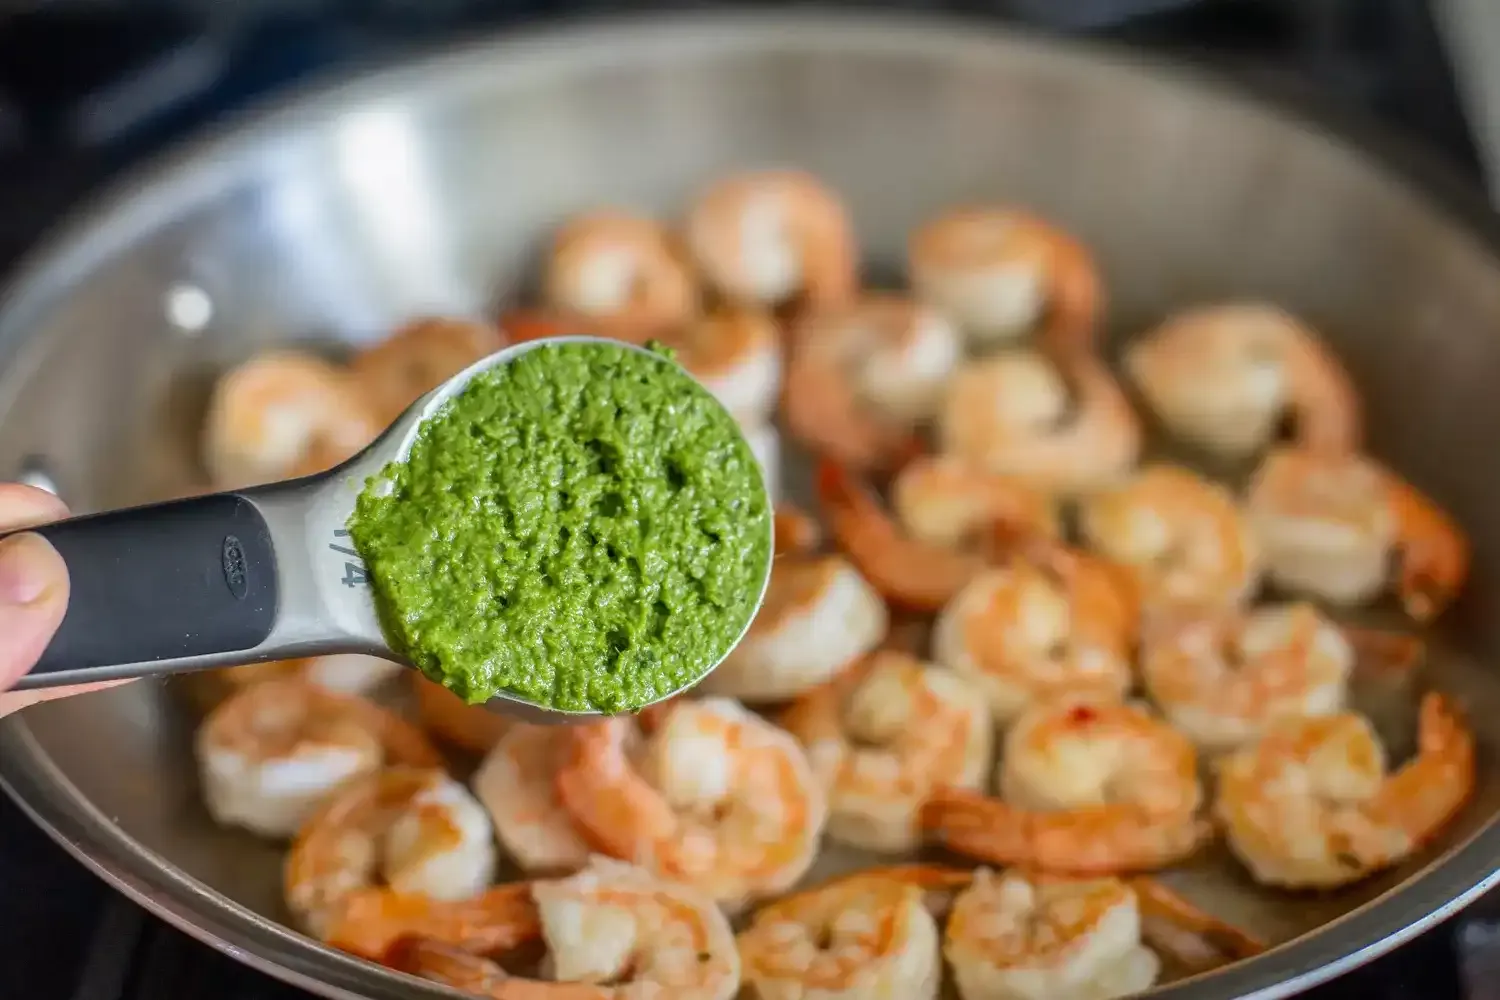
x: 33, y: 598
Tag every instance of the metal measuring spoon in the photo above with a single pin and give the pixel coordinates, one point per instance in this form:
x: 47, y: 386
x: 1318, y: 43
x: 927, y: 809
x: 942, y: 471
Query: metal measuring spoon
x: 267, y: 573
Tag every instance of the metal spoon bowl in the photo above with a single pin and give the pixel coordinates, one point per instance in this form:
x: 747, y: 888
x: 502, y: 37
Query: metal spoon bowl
x: 267, y: 573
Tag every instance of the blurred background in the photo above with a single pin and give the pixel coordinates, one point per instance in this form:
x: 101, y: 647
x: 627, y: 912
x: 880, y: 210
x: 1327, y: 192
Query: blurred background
x: 89, y: 88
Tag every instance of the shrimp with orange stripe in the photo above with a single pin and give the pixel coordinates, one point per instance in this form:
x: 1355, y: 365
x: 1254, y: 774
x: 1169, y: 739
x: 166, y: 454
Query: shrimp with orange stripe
x: 1223, y: 679
x: 515, y: 783
x: 415, y: 830
x: 1001, y: 272
x: 621, y: 274
x: 881, y: 737
x: 1311, y: 804
x: 1184, y: 538
x: 715, y: 796
x: 863, y: 378
x: 270, y: 753
x: 610, y: 932
x: 1226, y: 377
x: 285, y: 413
x: 418, y: 358
x: 1045, y: 623
x: 1060, y: 422
x: 1086, y: 788
x: 771, y: 238
x: 1345, y: 529
x: 949, y: 520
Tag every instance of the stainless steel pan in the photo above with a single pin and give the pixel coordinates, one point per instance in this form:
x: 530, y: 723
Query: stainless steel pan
x: 427, y: 187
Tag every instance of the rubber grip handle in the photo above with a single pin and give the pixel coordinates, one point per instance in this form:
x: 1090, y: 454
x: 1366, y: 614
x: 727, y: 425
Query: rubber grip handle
x: 162, y: 582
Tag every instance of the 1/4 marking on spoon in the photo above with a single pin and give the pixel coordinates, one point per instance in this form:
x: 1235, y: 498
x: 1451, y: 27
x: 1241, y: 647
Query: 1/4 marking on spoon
x: 355, y: 574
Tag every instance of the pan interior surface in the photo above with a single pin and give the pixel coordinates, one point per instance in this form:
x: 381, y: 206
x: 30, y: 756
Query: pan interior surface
x: 428, y: 189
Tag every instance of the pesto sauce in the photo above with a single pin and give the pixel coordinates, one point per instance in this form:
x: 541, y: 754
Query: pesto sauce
x: 583, y: 528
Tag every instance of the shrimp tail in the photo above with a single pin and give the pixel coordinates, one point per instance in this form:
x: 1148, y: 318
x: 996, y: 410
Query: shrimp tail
x: 911, y: 574
x: 1434, y: 553
x: 1194, y: 939
x: 369, y: 922
x: 1076, y: 301
x: 1103, y: 840
x: 1424, y: 795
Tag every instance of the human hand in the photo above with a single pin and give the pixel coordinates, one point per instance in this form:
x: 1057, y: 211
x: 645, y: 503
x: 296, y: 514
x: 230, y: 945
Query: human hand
x: 33, y: 593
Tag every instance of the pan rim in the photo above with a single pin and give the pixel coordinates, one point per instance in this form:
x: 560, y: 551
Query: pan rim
x: 207, y: 163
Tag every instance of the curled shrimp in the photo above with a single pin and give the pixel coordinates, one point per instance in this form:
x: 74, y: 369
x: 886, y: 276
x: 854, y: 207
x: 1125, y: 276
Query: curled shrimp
x: 1331, y: 524
x: 736, y: 354
x: 516, y: 785
x: 1044, y: 624
x: 862, y: 377
x: 269, y: 754
x: 1087, y: 789
x: 862, y: 937
x: 999, y: 272
x: 612, y: 932
x: 418, y: 358
x: 881, y: 737
x: 268, y: 415
x: 767, y: 238
x: 1064, y: 426
x: 1183, y: 537
x: 952, y: 518
x: 1020, y: 936
x: 1223, y: 679
x: 623, y: 274
x: 1226, y: 377
x: 417, y: 830
x: 1033, y: 937
x: 1311, y: 804
x: 473, y: 728
x: 372, y: 922
x: 717, y: 797
x: 819, y: 614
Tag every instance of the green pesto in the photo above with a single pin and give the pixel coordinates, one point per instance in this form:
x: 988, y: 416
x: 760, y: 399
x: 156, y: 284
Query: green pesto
x: 583, y: 528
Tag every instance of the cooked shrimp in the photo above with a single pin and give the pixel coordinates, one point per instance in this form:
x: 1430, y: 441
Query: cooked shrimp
x: 1191, y: 940
x: 1311, y: 805
x: 1224, y: 678
x: 418, y: 358
x: 998, y: 272
x: 1042, y: 625
x: 269, y: 754
x: 516, y: 784
x: 416, y: 830
x: 881, y: 737
x: 1331, y: 524
x: 953, y: 518
x: 861, y: 378
x: 862, y: 937
x: 266, y: 415
x: 1183, y: 537
x: 736, y: 354
x: 769, y: 237
x: 623, y: 274
x: 942, y: 500
x: 469, y: 727
x: 1087, y: 789
x: 1019, y: 937
x: 371, y: 922
x: 721, y: 799
x: 819, y: 614
x: 1226, y: 377
x: 1065, y: 427
x: 612, y: 932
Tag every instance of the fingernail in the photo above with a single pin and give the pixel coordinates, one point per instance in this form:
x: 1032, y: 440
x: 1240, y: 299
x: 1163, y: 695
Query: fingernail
x: 29, y: 569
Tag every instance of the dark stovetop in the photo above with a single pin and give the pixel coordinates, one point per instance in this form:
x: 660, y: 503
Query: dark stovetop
x: 158, y: 70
